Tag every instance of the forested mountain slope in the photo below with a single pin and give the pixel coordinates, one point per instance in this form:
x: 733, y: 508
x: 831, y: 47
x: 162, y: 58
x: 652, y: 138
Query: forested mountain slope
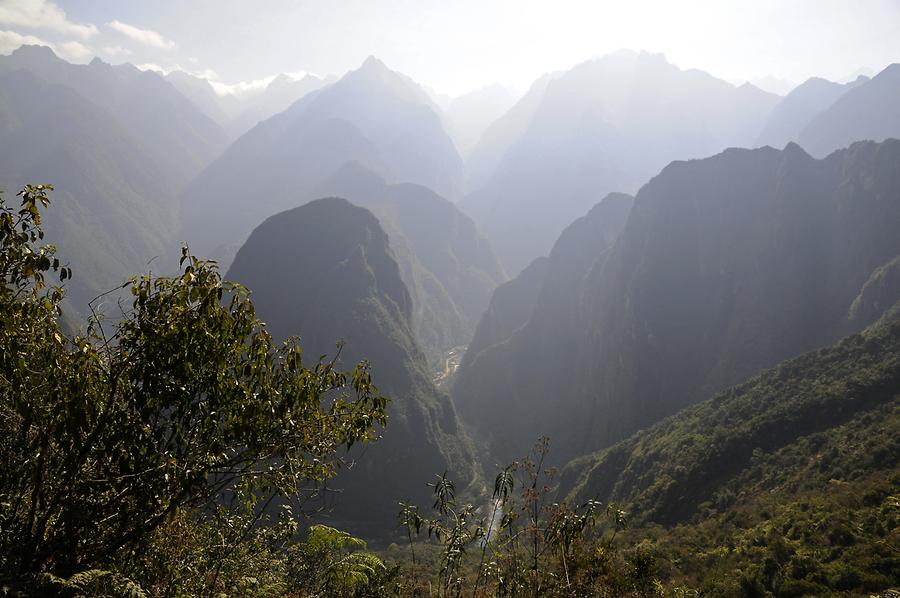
x: 112, y: 209
x: 171, y: 129
x: 525, y: 344
x: 787, y: 483
x: 510, y: 308
x: 708, y: 283
x: 338, y: 279
x: 118, y: 143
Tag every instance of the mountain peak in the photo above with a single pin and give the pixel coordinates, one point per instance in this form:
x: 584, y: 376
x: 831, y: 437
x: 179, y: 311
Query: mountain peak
x: 281, y: 79
x: 33, y: 55
x: 629, y: 56
x: 794, y: 149
x: 98, y: 63
x: 373, y: 64
x: 372, y: 70
x: 891, y: 70
x: 374, y: 75
x: 34, y: 50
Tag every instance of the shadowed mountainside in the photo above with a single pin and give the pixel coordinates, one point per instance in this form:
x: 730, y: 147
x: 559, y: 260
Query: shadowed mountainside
x: 707, y: 284
x: 448, y: 267
x: 338, y: 279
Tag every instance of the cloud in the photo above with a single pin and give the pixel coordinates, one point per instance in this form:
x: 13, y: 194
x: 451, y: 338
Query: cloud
x: 10, y: 40
x: 254, y: 86
x: 115, y: 51
x: 74, y: 51
x: 152, y: 66
x: 42, y: 14
x: 208, y: 74
x: 147, y: 37
x: 242, y: 87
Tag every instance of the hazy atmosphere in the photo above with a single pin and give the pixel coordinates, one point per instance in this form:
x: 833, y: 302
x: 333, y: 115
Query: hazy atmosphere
x: 382, y: 299
x: 455, y: 47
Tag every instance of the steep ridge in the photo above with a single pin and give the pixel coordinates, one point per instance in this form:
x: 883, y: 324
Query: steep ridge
x: 606, y: 125
x: 338, y: 279
x: 201, y: 93
x: 795, y: 111
x: 275, y: 166
x: 510, y: 308
x: 869, y: 111
x: 707, y: 284
x: 877, y: 296
x: 468, y: 115
x: 789, y: 478
x: 277, y: 97
x: 372, y: 116
x: 664, y: 473
x: 112, y: 208
x: 497, y: 138
x: 171, y: 129
x: 396, y: 114
x: 449, y: 268
x: 520, y: 374
x: 712, y: 282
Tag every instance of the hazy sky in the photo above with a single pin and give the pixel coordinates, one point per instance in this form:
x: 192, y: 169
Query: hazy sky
x: 458, y: 45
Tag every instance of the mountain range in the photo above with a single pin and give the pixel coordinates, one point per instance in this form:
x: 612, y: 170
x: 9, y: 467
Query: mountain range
x: 866, y: 111
x: 606, y: 125
x: 372, y: 116
x: 706, y: 284
x: 795, y: 111
x: 703, y: 314
x: 176, y: 134
x: 117, y: 143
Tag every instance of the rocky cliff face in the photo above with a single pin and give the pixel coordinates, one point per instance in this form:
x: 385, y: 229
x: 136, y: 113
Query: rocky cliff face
x: 726, y: 265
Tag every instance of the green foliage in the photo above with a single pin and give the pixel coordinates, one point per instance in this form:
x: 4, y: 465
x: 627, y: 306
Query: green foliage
x: 793, y: 529
x: 115, y: 206
x: 779, y: 486
x: 184, y: 408
x: 700, y: 292
x: 94, y: 583
x: 170, y: 454
x: 524, y: 545
x: 667, y: 472
x: 334, y: 563
x: 878, y: 295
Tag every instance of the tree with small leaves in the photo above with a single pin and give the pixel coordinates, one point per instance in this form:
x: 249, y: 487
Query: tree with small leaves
x: 186, y: 405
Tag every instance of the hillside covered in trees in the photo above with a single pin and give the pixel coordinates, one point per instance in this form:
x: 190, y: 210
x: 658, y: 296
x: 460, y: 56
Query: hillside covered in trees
x: 706, y: 284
